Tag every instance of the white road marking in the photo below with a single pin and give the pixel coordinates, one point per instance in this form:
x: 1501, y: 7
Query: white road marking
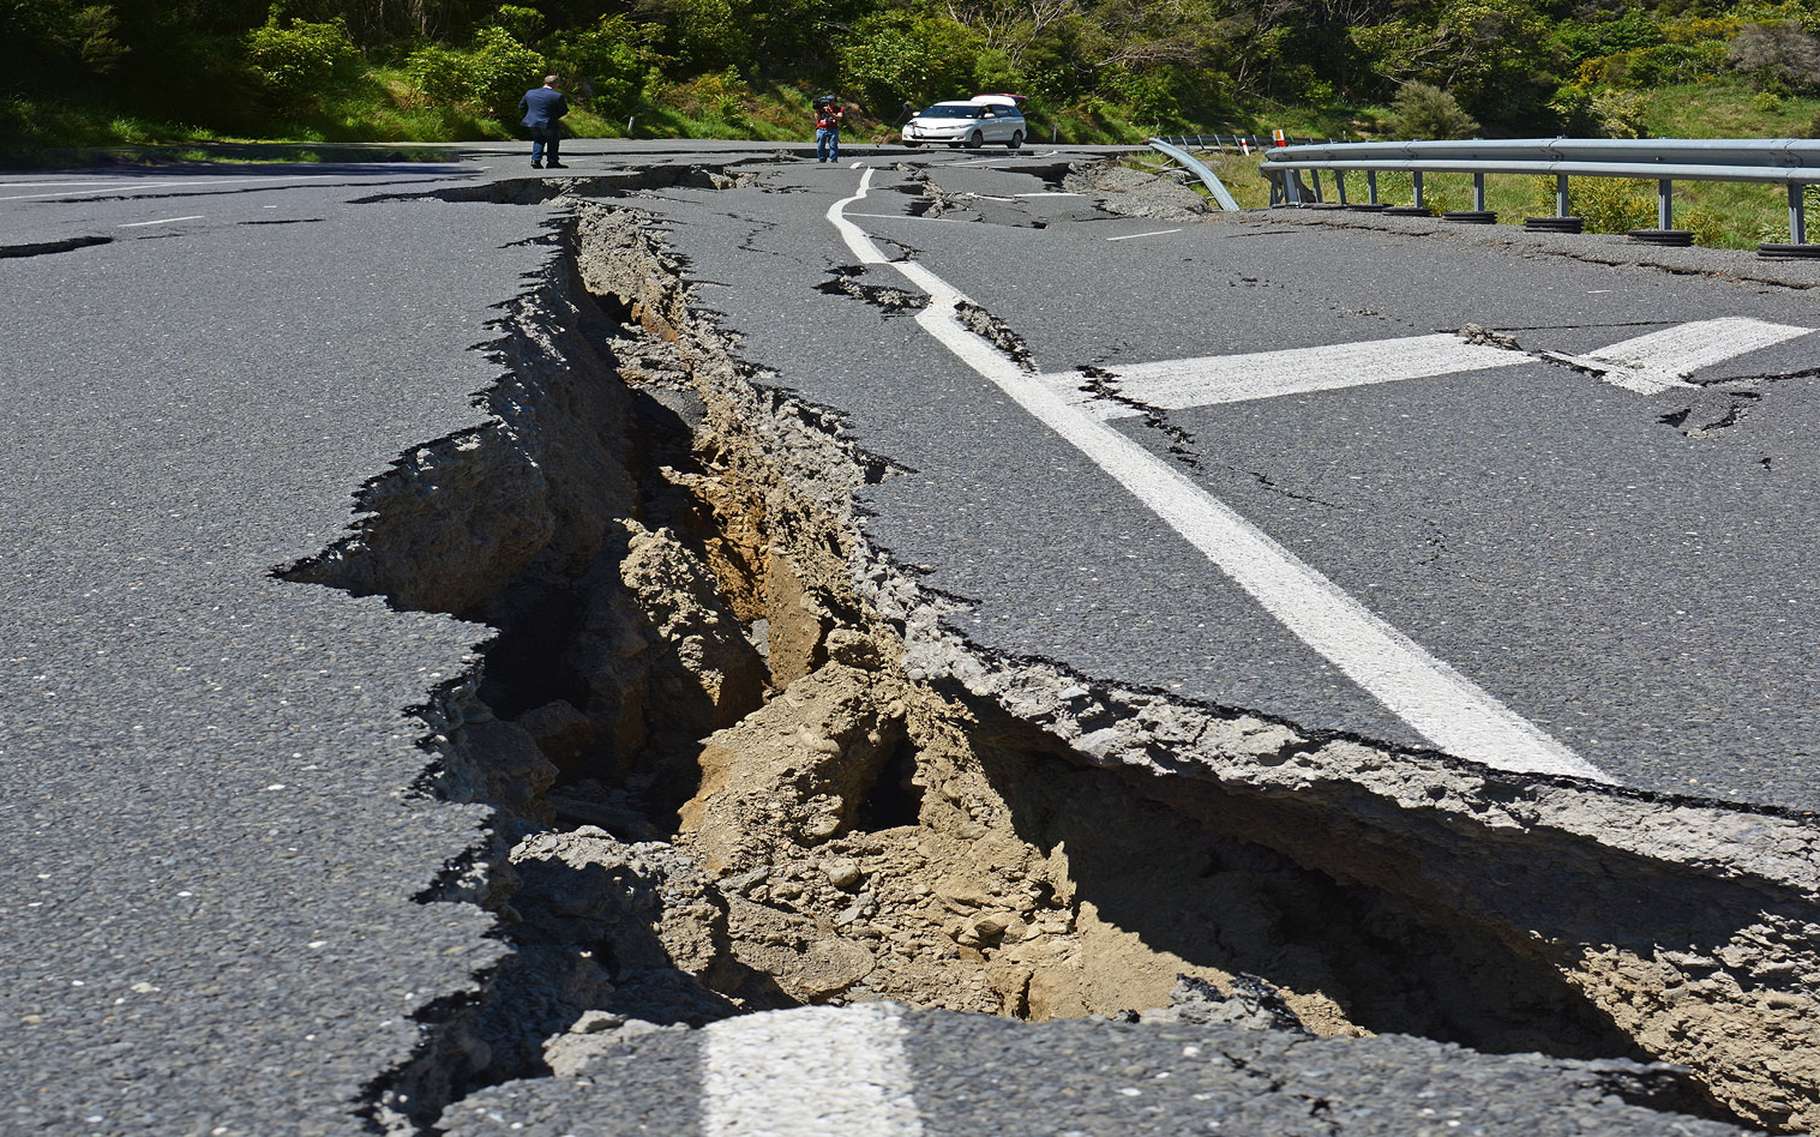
x: 1653, y: 363
x: 856, y: 165
x: 1047, y: 193
x: 810, y: 1072
x: 1438, y: 702
x: 160, y: 221
x: 59, y: 185
x: 168, y: 185
x: 1135, y: 236
x: 1176, y: 384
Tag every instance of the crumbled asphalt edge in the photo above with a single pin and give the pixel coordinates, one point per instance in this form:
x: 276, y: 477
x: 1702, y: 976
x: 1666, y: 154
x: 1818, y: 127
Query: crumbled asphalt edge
x: 1606, y: 249
x: 1765, y: 856
x: 846, y: 280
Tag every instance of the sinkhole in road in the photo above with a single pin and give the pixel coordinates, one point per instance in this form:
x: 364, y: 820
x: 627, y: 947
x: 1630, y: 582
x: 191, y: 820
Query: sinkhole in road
x: 719, y: 786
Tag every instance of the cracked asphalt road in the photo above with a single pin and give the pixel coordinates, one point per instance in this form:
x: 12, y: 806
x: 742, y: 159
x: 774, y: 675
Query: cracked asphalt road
x: 1641, y: 595
x: 212, y: 852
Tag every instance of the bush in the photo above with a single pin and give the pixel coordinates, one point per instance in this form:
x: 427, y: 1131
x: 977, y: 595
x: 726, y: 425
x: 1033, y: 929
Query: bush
x: 609, y: 65
x: 523, y: 23
x: 441, y: 73
x: 500, y: 69
x: 1619, y: 114
x: 1777, y: 57
x: 300, y: 60
x: 490, y: 76
x: 1423, y: 111
x: 1613, y: 205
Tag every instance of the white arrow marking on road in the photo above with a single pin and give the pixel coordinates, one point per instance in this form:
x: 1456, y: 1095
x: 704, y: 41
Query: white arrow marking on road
x: 1135, y: 236
x: 160, y: 221
x: 810, y: 1072
x: 1438, y: 702
x: 1175, y: 384
x: 1654, y: 363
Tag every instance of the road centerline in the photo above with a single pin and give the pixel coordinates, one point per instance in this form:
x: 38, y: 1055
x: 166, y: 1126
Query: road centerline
x: 1152, y: 233
x: 1438, y: 702
x: 161, y: 221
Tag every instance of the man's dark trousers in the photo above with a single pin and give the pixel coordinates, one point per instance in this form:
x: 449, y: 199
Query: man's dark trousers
x: 546, y: 140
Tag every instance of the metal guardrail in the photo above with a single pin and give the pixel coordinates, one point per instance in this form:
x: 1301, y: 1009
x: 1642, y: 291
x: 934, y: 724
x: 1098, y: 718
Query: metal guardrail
x: 1794, y: 163
x: 1200, y: 170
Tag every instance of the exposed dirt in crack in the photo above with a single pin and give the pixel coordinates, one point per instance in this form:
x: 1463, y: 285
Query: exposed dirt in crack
x: 737, y: 762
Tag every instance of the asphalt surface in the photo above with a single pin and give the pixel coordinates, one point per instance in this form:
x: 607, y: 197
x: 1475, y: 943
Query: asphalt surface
x: 1641, y: 595
x: 970, y: 1075
x: 212, y: 850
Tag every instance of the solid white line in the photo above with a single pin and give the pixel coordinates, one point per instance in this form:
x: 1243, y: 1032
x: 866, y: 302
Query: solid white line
x: 1653, y: 363
x: 809, y: 1072
x: 1135, y: 236
x: 1047, y: 193
x: 1438, y: 702
x: 1176, y: 384
x: 168, y: 185
x: 160, y: 221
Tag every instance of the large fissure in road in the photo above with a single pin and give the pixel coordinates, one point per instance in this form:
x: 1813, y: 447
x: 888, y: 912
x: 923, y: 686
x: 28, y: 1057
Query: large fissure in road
x: 736, y: 762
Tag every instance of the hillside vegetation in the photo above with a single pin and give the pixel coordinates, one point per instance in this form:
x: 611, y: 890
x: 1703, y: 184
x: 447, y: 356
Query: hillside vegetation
x: 76, y: 73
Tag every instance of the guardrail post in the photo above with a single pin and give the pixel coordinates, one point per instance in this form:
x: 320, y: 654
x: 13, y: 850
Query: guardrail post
x: 1797, y: 213
x: 1561, y: 199
x: 1371, y: 186
x: 1415, y: 178
x: 1316, y: 175
x: 1478, y: 192
x: 1665, y: 204
x: 1339, y: 186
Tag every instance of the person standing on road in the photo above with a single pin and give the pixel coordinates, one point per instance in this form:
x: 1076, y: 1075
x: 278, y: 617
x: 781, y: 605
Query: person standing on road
x: 828, y: 116
x: 543, y: 109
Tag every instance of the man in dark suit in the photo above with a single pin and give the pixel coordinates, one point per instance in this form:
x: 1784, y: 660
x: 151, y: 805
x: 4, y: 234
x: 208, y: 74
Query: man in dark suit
x: 543, y: 108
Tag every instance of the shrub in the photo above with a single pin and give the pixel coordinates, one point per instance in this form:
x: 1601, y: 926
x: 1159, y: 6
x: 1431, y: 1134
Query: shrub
x: 500, y: 69
x: 523, y: 23
x: 1423, y: 111
x: 441, y: 73
x: 1613, y: 205
x: 1619, y: 114
x: 1777, y: 57
x: 490, y: 76
x: 608, y: 64
x: 300, y: 60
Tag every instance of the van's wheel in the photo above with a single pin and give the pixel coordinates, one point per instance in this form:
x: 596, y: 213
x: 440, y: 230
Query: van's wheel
x: 975, y: 140
x: 1017, y: 140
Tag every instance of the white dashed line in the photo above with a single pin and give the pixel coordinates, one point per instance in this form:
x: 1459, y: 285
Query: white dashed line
x: 1438, y: 702
x: 1176, y: 384
x: 856, y: 165
x: 1152, y: 233
x: 160, y: 221
x: 1653, y: 363
x: 809, y: 1072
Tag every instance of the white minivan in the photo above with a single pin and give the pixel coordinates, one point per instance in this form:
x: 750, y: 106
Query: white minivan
x: 971, y: 123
